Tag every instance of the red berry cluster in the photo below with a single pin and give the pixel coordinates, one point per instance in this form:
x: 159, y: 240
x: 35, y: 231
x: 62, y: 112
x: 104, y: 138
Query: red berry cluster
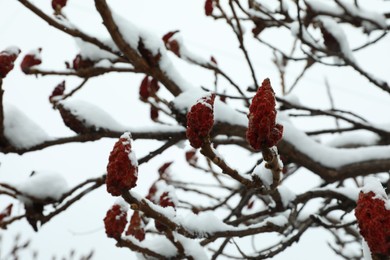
x: 135, y: 228
x: 374, y: 222
x: 262, y: 130
x: 122, y: 168
x: 31, y: 59
x: 171, y: 44
x: 58, y: 91
x: 208, y: 7
x: 58, y: 4
x: 6, y: 212
x: 148, y: 88
x: 7, y: 59
x: 200, y: 120
x: 115, y: 221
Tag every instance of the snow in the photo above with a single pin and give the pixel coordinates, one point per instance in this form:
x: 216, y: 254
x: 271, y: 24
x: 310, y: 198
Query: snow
x: 105, y: 63
x: 329, y: 156
x: 293, y: 99
x: 222, y: 112
x: 132, y: 34
x: 123, y: 204
x: 375, y: 17
x: 191, y: 247
x: 92, y: 52
x: 264, y: 174
x: 163, y: 187
x: 13, y: 50
x: 158, y: 244
x: 91, y: 115
x: 43, y: 185
x: 185, y: 53
x: 321, y: 7
x: 305, y: 35
x: 168, y: 212
x: 131, y: 155
x: 203, y: 223
x: 373, y: 184
x: 338, y: 33
x: 286, y: 195
x: 354, y: 138
x: 20, y: 130
x: 36, y: 53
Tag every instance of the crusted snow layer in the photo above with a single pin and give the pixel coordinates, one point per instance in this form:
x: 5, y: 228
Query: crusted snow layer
x: 43, y: 185
x: 20, y: 130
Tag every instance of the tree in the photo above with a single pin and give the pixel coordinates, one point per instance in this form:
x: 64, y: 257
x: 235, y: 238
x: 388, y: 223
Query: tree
x: 240, y: 148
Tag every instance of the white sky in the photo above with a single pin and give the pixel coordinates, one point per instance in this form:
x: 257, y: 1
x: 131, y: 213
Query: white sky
x: 81, y: 227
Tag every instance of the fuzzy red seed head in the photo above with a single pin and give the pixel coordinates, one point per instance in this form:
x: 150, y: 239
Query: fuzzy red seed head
x: 7, y: 59
x: 208, y: 7
x: 122, y: 168
x: 262, y: 130
x: 374, y: 222
x: 115, y: 221
x: 148, y: 88
x: 200, y: 120
x: 135, y: 228
x: 58, y: 91
x: 58, y: 4
x: 80, y: 63
x: 31, y: 59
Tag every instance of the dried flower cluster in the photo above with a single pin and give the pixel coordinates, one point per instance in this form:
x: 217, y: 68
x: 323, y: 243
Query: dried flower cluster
x: 208, y: 7
x: 58, y: 91
x: 7, y: 59
x: 72, y: 121
x: 262, y: 130
x: 80, y: 63
x: 171, y: 44
x: 57, y: 5
x: 31, y: 59
x: 200, y: 120
x: 148, y: 88
x: 6, y: 212
x: 135, y: 228
x: 164, y: 201
x: 122, y: 168
x: 374, y: 222
x: 115, y: 221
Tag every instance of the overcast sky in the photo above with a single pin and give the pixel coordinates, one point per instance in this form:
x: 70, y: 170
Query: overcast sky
x: 81, y: 227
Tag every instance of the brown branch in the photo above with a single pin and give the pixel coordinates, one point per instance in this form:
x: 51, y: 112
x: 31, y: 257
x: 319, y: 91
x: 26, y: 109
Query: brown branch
x: 207, y: 151
x: 71, y: 31
x: 130, y: 53
x: 143, y: 250
x: 179, y: 135
x: 82, y: 73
